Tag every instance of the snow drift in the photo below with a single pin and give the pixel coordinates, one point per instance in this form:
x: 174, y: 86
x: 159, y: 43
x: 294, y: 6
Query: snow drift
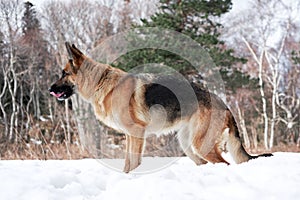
x: 277, y: 177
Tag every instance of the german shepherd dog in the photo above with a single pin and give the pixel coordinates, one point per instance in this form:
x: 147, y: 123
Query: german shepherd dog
x: 138, y: 105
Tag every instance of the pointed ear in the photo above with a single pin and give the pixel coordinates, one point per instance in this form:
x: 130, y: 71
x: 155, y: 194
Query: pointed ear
x: 70, y: 56
x: 68, y: 47
x: 76, y: 49
x: 76, y: 57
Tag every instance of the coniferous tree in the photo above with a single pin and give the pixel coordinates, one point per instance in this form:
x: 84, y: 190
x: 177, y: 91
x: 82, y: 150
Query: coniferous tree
x: 197, y: 20
x: 30, y: 23
x: 33, y: 58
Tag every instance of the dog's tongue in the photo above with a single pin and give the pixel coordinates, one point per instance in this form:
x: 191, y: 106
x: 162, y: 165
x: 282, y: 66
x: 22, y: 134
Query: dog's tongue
x: 56, y: 95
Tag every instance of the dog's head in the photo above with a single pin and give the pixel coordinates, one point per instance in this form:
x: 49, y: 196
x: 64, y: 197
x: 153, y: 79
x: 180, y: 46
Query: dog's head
x: 64, y: 87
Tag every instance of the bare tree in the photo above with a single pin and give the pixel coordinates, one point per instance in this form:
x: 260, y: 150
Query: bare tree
x: 270, y: 24
x: 85, y: 24
x: 10, y: 13
x: 32, y: 56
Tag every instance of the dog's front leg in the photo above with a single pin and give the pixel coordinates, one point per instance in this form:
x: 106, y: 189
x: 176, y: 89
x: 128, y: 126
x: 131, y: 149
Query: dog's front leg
x: 127, y: 155
x: 134, y: 150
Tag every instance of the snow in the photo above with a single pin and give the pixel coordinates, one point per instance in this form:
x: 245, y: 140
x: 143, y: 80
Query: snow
x: 277, y: 177
x: 239, y: 6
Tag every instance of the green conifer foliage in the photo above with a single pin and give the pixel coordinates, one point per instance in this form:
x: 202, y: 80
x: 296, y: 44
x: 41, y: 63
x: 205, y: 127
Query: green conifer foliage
x: 197, y: 20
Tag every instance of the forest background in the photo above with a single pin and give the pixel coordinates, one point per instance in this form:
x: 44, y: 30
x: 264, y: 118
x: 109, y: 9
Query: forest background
x: 256, y: 50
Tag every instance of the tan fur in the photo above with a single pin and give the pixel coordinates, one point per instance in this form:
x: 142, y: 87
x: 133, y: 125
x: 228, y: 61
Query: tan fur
x: 118, y: 101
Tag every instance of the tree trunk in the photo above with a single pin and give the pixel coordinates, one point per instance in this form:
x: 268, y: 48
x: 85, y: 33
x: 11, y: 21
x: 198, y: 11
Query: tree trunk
x: 5, y: 134
x: 259, y: 61
x: 273, y: 117
x: 254, y: 137
x: 68, y: 139
x: 264, y: 104
x: 13, y: 90
x: 243, y: 126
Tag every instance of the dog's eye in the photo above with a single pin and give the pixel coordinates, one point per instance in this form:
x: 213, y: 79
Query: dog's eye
x: 64, y: 73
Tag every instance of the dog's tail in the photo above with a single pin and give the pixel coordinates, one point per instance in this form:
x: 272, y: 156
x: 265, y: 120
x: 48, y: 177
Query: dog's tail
x: 234, y: 145
x: 262, y: 155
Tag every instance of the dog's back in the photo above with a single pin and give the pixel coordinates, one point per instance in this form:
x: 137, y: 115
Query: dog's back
x: 141, y: 104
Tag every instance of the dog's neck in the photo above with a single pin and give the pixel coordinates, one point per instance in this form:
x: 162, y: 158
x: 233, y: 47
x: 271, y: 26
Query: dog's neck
x: 95, y: 78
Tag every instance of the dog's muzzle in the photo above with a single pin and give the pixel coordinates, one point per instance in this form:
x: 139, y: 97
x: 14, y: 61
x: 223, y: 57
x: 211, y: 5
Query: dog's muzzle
x: 62, y: 92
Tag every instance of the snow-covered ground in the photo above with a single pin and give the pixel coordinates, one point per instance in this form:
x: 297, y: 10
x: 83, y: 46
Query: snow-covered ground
x: 277, y: 177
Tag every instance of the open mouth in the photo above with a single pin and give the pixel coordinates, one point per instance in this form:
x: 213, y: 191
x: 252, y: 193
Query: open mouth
x: 57, y: 95
x: 61, y: 92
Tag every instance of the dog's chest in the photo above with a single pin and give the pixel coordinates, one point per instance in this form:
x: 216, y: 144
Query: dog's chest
x: 111, y: 122
x: 106, y: 117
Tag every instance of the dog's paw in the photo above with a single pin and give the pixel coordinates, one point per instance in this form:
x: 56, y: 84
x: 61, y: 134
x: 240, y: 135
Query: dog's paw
x: 131, y: 164
x: 126, y: 169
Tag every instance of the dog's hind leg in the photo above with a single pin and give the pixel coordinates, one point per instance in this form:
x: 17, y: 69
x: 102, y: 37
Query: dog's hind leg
x: 234, y: 143
x: 127, y: 155
x: 185, y: 143
x: 207, y: 140
x: 215, y: 155
x: 190, y: 153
